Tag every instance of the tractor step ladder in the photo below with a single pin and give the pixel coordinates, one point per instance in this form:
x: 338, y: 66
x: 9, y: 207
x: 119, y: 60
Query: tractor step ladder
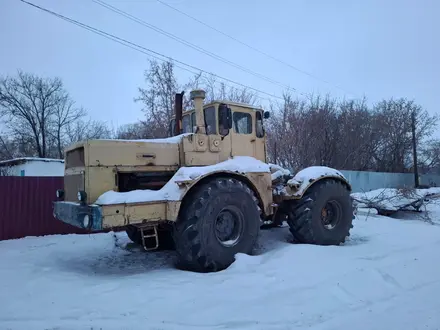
x: 146, y: 234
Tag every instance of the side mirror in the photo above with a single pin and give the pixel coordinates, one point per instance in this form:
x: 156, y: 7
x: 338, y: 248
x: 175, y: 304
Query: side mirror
x: 266, y: 115
x: 225, y: 116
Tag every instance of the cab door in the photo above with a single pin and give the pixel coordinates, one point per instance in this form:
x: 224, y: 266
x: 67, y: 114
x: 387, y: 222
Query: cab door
x: 242, y: 134
x: 260, y: 137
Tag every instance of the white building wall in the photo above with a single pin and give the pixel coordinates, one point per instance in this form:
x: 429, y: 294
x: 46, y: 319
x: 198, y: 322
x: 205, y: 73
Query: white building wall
x: 38, y: 168
x: 15, y: 170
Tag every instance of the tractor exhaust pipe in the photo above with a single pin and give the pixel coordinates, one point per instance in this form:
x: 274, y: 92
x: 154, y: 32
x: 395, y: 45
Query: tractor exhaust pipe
x: 178, y: 110
x: 198, y: 96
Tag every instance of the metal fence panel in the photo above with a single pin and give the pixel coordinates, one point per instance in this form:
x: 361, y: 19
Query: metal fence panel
x: 26, y: 207
x: 366, y: 181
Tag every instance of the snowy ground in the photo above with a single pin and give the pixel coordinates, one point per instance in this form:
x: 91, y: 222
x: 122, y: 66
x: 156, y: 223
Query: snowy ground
x: 387, y: 276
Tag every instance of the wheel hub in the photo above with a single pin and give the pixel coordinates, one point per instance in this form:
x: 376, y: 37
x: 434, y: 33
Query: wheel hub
x: 330, y: 214
x: 228, y: 226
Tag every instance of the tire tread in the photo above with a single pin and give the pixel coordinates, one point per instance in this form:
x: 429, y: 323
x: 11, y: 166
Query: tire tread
x: 300, y: 215
x: 186, y: 231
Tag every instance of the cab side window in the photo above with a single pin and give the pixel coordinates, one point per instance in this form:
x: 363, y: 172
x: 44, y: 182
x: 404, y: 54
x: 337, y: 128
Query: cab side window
x: 210, y: 122
x: 193, y: 122
x: 242, y: 122
x: 187, y: 126
x: 259, y: 128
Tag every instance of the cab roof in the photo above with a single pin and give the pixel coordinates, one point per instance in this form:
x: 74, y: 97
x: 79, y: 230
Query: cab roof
x: 237, y: 104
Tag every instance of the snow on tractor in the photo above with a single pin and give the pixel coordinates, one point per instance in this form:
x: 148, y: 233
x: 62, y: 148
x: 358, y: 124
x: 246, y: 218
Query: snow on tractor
x: 206, y: 191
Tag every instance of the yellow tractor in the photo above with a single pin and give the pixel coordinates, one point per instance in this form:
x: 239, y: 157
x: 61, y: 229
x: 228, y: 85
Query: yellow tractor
x: 206, y: 191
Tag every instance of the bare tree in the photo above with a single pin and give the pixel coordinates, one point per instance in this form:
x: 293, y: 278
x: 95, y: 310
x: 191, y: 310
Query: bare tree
x: 37, y: 112
x: 28, y: 102
x: 346, y: 134
x: 86, y: 130
x: 65, y: 116
x: 393, y: 117
x: 218, y: 90
x: 162, y: 85
x: 429, y: 157
x: 7, y: 149
x: 359, y: 136
x: 303, y: 132
x: 285, y: 132
x: 134, y: 131
x: 5, y: 171
x: 158, y: 97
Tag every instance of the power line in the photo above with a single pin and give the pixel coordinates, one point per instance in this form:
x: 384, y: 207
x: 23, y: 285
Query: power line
x: 249, y: 46
x: 145, y: 50
x: 189, y: 44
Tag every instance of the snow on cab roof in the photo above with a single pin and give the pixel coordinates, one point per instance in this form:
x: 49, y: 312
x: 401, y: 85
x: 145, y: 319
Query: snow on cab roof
x: 236, y: 104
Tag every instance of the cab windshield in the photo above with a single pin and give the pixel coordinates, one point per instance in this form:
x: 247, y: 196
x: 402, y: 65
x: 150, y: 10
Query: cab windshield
x: 189, y: 122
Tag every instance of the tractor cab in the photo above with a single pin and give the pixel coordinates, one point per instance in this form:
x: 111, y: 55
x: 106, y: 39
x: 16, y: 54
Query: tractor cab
x: 239, y: 127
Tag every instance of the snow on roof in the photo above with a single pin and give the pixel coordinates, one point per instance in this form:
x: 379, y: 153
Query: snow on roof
x: 22, y: 160
x: 172, y: 191
x: 172, y: 139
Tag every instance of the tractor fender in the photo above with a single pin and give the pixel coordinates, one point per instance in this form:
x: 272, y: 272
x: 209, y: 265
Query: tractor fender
x: 308, y: 176
x: 253, y: 180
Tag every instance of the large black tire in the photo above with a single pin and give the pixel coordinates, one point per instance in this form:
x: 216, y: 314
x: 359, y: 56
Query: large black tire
x: 134, y: 234
x: 323, y: 216
x: 200, y: 244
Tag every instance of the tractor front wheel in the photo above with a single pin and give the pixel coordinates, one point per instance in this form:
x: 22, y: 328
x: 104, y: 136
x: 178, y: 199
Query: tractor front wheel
x: 323, y: 216
x: 218, y: 220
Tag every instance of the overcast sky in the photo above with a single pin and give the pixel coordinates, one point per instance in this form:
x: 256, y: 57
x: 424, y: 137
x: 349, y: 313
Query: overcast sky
x: 380, y: 49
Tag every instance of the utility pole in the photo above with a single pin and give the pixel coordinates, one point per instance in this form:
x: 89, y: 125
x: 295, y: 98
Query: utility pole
x: 414, y: 143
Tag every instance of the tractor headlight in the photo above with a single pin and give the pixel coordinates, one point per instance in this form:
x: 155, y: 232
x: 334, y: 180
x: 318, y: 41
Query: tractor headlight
x: 82, y: 196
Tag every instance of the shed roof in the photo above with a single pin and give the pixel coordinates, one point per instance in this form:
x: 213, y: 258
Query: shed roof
x: 22, y: 160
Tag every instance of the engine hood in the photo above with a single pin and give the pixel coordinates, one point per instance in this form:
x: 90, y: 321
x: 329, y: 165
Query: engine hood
x: 153, y: 152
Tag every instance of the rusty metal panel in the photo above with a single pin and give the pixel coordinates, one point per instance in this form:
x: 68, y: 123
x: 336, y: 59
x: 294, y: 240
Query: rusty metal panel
x: 74, y: 183
x: 26, y: 207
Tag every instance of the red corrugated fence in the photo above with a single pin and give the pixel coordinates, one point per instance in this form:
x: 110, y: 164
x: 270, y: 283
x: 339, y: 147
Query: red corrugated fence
x: 26, y: 207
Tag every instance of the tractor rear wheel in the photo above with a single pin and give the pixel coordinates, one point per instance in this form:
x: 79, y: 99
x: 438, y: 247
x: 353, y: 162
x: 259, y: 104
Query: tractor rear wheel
x: 220, y: 219
x: 323, y: 216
